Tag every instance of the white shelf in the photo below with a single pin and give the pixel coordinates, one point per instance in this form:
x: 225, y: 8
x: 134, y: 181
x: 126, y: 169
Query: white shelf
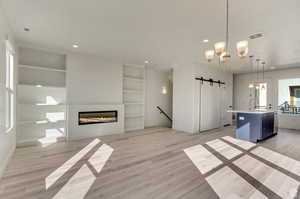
x: 134, y: 116
x: 40, y: 104
x: 134, y: 96
x: 41, y: 95
x: 140, y: 67
x: 40, y: 86
x: 42, y: 68
x: 132, y: 91
x: 134, y: 103
x: 133, y: 78
x: 36, y: 142
x: 39, y: 122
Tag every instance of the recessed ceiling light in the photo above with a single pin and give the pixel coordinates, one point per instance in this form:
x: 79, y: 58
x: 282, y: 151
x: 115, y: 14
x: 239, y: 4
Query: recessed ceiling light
x: 272, y: 67
x: 26, y: 29
x: 75, y: 45
x: 39, y: 86
x: 146, y: 62
x: 205, y: 40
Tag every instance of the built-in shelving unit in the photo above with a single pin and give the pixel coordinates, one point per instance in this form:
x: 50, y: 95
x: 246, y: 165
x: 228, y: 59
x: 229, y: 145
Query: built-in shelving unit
x: 134, y: 96
x: 41, y: 97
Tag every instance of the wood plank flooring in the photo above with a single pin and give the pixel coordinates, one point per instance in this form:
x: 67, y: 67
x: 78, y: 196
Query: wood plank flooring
x: 150, y: 163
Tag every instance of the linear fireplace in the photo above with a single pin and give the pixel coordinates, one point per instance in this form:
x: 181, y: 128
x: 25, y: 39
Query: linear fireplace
x: 94, y: 117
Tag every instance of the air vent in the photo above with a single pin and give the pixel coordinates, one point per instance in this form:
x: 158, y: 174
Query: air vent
x: 255, y: 36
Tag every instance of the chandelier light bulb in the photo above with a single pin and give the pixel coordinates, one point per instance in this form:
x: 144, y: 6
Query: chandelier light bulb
x: 251, y: 85
x: 209, y: 54
x: 224, y: 57
x: 220, y: 48
x: 242, y: 48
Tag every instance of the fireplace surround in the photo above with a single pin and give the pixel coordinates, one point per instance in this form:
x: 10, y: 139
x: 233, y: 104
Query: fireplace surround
x: 95, y: 117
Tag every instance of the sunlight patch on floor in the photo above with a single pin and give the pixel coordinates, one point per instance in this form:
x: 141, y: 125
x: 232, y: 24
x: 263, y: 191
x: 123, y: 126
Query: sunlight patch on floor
x: 241, y: 143
x: 229, y: 184
x: 78, y: 186
x: 204, y: 160
x: 224, y: 149
x: 281, y: 184
x: 278, y: 159
x: 100, y: 157
x: 59, y: 172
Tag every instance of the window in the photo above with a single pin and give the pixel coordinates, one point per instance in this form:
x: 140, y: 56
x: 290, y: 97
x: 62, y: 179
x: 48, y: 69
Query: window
x: 9, y: 87
x: 289, y: 95
x: 261, y: 96
x: 297, y: 97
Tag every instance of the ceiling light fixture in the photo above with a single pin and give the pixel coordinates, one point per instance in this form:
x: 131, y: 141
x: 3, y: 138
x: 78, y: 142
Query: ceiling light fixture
x: 147, y: 62
x: 272, y: 67
x: 205, y: 40
x: 257, y: 77
x: 242, y: 48
x: 251, y: 85
x: 263, y: 86
x: 209, y: 54
x: 222, y: 48
x: 75, y: 46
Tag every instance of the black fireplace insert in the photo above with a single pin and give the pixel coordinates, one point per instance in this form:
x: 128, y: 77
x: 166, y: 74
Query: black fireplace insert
x: 94, y: 117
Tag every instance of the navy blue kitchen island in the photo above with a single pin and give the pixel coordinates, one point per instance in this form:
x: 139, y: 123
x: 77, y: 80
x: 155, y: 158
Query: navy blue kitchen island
x: 255, y: 126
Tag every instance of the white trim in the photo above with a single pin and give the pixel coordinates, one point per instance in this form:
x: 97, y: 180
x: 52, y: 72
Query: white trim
x: 9, y: 46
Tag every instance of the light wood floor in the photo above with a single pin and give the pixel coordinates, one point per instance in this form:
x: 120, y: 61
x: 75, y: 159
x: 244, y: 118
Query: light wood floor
x: 144, y: 164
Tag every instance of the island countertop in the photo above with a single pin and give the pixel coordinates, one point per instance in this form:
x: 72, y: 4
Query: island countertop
x: 250, y: 112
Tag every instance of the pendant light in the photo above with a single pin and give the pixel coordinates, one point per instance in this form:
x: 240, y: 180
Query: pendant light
x: 257, y: 77
x: 242, y: 48
x: 209, y: 54
x: 251, y: 85
x: 263, y: 86
x: 222, y: 48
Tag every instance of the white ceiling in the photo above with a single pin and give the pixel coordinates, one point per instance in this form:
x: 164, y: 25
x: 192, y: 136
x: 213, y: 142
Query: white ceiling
x: 166, y: 32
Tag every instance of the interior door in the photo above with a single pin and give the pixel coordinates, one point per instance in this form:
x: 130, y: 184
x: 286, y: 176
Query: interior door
x: 210, y: 107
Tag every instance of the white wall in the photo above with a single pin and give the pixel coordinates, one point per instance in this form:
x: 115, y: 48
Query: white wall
x: 7, y: 139
x: 183, y: 98
x: 155, y: 80
x: 241, y: 93
x: 186, y: 94
x: 91, y: 80
x: 93, y: 83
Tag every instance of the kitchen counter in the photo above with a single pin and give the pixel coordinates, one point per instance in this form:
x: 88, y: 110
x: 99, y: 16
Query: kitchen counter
x: 255, y: 126
x: 254, y: 112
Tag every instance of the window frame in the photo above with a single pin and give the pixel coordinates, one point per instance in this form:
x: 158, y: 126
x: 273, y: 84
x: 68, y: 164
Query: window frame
x: 9, y: 87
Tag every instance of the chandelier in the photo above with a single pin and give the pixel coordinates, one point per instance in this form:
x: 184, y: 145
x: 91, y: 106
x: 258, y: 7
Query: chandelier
x: 221, y: 48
